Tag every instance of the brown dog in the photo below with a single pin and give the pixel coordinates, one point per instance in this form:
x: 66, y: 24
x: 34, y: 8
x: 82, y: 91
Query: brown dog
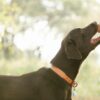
x: 53, y: 83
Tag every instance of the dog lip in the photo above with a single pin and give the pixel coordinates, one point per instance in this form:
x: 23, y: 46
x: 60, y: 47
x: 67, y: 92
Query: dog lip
x: 95, y: 40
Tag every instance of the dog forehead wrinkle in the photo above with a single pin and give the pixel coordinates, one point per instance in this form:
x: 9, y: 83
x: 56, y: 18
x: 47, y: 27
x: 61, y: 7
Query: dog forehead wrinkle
x: 74, y: 34
x: 75, y: 31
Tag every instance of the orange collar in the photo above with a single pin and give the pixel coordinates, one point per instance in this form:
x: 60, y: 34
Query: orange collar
x: 65, y: 77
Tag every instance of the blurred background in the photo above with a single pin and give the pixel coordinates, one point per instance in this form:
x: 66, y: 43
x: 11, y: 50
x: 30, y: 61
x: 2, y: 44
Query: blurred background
x: 31, y: 32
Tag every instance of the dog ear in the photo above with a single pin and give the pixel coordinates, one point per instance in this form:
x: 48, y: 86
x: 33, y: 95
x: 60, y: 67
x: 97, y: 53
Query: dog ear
x: 72, y: 51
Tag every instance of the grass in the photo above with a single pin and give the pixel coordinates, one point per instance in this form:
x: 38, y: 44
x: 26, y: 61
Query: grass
x: 18, y: 66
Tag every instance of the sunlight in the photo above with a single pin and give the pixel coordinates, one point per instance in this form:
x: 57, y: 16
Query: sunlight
x: 39, y: 36
x: 98, y: 1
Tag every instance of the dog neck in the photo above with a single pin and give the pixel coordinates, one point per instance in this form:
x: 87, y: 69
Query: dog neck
x: 68, y: 66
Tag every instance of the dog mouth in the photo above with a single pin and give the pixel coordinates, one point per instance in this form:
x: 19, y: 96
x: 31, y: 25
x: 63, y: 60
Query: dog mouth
x: 95, y: 39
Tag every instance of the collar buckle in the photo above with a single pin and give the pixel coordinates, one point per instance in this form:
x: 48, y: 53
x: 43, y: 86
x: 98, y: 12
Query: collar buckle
x: 74, y: 84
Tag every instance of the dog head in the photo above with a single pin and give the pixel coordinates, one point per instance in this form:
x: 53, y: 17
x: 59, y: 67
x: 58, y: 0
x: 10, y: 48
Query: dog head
x: 80, y: 41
